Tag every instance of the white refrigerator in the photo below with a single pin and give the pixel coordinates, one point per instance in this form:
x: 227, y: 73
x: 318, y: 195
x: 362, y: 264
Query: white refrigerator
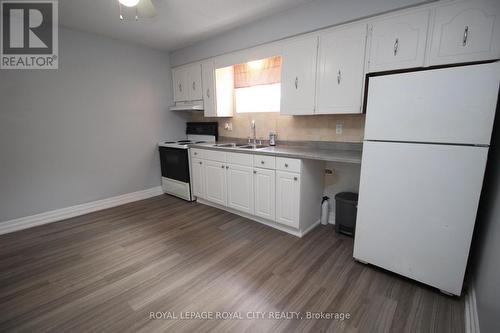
x: 426, y: 143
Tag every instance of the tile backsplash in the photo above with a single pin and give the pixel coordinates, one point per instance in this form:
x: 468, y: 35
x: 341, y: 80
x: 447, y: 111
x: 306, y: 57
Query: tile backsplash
x: 291, y: 128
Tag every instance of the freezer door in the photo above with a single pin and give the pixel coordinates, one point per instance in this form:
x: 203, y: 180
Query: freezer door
x: 450, y: 105
x: 417, y: 207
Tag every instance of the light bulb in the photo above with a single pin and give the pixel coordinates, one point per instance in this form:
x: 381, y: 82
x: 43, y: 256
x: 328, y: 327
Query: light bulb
x: 129, y: 3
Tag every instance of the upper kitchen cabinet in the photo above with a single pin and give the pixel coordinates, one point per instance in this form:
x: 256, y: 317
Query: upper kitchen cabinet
x: 208, y: 84
x: 194, y: 82
x: 298, y: 76
x: 180, y: 79
x: 466, y: 31
x: 187, y: 83
x: 398, y: 42
x: 341, y: 70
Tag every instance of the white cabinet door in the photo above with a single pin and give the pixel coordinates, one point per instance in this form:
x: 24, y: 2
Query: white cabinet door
x: 197, y: 177
x: 341, y: 70
x: 466, y: 31
x: 194, y: 82
x: 179, y: 80
x: 265, y: 193
x: 287, y: 198
x: 298, y: 76
x: 208, y: 85
x: 240, y: 194
x: 398, y: 42
x: 215, y: 182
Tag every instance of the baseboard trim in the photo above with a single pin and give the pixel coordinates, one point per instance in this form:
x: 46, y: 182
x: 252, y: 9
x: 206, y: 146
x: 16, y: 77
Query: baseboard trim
x: 77, y: 210
x: 269, y: 223
x: 471, y: 318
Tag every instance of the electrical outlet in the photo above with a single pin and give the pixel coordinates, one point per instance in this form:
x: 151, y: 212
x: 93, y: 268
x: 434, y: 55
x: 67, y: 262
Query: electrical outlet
x: 339, y: 127
x: 228, y: 126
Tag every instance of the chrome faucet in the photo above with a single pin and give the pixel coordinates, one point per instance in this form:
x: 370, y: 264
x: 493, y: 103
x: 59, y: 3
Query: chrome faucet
x: 252, y: 126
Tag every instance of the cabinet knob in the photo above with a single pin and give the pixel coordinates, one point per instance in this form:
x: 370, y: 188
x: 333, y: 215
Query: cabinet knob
x: 254, y: 171
x: 286, y: 165
x: 466, y: 35
x: 222, y: 166
x: 261, y: 162
x: 195, y: 153
x: 396, y: 46
x: 227, y: 166
x: 295, y: 178
x: 200, y: 162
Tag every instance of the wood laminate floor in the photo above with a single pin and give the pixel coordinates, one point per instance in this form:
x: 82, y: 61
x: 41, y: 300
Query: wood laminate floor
x: 106, y: 271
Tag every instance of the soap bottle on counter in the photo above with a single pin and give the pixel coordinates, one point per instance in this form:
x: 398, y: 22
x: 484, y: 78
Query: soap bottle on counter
x: 272, y: 138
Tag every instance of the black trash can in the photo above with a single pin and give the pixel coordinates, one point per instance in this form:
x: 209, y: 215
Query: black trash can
x: 346, y: 208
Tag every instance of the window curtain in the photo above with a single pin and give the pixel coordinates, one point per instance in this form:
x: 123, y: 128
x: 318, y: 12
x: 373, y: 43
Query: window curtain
x: 258, y: 72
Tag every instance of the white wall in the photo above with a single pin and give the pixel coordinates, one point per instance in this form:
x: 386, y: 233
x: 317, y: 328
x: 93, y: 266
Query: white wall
x: 87, y: 131
x: 308, y: 17
x: 345, y: 178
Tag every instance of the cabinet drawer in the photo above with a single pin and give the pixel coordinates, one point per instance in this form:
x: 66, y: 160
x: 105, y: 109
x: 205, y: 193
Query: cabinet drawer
x: 196, y: 153
x: 288, y: 164
x: 239, y: 158
x: 266, y: 162
x: 206, y: 154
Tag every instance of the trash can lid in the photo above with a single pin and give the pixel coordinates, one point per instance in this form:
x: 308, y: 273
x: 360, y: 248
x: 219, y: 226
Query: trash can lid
x: 348, y: 197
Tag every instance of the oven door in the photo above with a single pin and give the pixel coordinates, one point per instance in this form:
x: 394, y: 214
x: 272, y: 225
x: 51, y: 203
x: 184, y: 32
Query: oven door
x: 175, y: 164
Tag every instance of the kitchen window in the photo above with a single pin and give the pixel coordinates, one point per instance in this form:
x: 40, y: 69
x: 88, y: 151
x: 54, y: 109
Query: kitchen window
x: 257, y: 85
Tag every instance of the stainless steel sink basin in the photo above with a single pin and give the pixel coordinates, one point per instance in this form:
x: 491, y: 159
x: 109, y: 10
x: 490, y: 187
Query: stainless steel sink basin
x: 226, y: 145
x: 240, y: 145
x: 253, y: 146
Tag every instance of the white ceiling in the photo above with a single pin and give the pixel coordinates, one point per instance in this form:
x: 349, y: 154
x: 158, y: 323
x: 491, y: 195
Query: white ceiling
x: 179, y: 23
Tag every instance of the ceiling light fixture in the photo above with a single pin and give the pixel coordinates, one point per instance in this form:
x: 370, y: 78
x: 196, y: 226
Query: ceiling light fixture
x: 129, y: 3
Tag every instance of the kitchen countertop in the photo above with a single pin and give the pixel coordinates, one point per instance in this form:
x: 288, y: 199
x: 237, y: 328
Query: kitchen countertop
x: 323, y: 151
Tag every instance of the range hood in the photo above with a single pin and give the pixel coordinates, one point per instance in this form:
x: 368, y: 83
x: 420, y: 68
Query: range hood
x: 188, y: 106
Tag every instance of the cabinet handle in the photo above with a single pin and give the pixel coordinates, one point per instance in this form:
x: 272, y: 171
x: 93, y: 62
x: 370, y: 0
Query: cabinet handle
x: 254, y: 171
x: 194, y: 85
x: 396, y: 46
x: 295, y: 178
x: 208, y: 93
x: 180, y: 87
x: 286, y: 165
x: 466, y: 35
x: 339, y: 76
x: 296, y: 82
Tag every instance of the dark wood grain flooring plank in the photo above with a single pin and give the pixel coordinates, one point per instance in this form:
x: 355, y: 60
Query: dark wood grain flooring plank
x: 106, y: 271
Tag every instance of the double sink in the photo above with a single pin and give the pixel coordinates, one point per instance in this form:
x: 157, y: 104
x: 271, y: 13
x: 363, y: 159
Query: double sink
x: 241, y: 145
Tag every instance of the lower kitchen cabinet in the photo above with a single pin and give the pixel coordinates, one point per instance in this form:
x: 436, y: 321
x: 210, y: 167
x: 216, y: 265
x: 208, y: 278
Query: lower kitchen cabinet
x: 197, y: 177
x: 240, y: 188
x: 284, y: 193
x: 264, y: 181
x: 287, y: 198
x: 215, y: 182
